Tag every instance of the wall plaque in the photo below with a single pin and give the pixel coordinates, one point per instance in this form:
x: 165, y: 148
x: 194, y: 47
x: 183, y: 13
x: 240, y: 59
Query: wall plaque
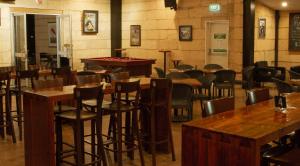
x: 294, y: 32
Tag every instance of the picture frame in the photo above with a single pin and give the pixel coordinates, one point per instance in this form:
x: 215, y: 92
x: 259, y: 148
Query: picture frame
x: 90, y: 21
x: 135, y: 35
x: 262, y: 28
x: 294, y: 32
x: 185, y: 33
x: 52, y: 34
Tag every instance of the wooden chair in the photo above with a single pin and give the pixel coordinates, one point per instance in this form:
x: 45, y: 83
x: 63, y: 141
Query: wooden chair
x: 22, y: 76
x: 131, y: 110
x: 216, y: 106
x: 6, y: 120
x: 182, y: 99
x: 77, y: 119
x: 225, y: 80
x: 159, y: 104
x: 257, y: 95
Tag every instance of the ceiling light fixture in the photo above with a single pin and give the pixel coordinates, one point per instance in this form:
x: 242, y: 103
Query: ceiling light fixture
x: 284, y: 4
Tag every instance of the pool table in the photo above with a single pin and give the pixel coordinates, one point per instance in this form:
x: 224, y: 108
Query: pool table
x: 135, y: 66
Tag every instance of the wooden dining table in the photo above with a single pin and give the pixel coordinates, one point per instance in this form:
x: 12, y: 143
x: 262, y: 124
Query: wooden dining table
x: 39, y: 121
x: 235, y: 137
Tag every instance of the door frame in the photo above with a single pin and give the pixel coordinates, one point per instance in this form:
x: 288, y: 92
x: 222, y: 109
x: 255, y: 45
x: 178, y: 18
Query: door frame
x: 206, y: 42
x: 24, y: 11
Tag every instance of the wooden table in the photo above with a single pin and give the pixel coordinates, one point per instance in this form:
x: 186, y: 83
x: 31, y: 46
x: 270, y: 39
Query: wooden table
x: 39, y: 122
x: 135, y: 66
x: 235, y: 137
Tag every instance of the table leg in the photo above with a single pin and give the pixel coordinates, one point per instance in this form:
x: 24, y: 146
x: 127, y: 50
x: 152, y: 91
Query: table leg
x: 1, y: 118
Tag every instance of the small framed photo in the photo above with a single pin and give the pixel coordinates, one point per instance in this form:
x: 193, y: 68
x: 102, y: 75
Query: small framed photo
x: 135, y: 35
x: 262, y: 28
x: 52, y: 35
x: 90, y: 21
x: 185, y: 33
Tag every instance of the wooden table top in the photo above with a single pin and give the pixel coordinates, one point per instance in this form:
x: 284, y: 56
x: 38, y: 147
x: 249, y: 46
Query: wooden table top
x: 259, y: 122
x: 68, y: 90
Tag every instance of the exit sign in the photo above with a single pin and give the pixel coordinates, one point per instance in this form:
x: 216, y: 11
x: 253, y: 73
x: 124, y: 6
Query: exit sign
x: 214, y: 7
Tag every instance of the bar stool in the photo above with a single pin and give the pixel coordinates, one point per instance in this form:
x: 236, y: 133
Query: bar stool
x: 21, y: 76
x: 77, y: 119
x: 6, y: 117
x: 160, y: 99
x: 132, y: 129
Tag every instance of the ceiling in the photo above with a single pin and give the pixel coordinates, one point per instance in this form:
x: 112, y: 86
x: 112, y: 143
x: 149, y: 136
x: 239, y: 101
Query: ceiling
x: 276, y: 4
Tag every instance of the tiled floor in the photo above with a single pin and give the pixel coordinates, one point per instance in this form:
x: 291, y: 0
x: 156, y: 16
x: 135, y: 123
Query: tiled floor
x: 13, y: 154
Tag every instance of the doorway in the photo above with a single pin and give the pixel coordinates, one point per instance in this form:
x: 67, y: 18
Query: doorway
x: 44, y: 40
x: 216, y: 42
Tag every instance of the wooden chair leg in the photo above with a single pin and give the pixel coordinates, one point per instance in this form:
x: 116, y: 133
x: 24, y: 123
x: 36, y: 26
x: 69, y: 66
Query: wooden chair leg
x: 78, y: 146
x: 58, y: 126
x: 119, y: 138
x: 100, y: 146
x: 136, y: 130
x: 153, y: 138
x: 93, y: 145
x: 171, y: 139
x: 129, y: 135
x: 9, y: 121
x: 19, y: 116
x: 115, y: 144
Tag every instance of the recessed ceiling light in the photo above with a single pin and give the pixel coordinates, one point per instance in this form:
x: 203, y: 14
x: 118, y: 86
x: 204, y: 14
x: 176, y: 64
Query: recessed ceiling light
x: 284, y: 4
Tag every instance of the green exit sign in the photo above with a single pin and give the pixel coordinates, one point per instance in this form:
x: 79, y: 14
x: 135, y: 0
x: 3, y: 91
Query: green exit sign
x: 214, y: 7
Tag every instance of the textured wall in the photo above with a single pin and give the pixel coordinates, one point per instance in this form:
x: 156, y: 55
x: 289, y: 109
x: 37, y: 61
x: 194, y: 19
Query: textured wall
x: 264, y: 48
x: 84, y: 45
x: 160, y: 29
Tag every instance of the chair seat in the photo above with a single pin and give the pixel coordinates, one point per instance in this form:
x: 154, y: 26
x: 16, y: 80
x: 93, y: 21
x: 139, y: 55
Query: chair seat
x: 113, y: 107
x: 93, y: 103
x: 291, y: 158
x: 64, y: 108
x: 71, y: 115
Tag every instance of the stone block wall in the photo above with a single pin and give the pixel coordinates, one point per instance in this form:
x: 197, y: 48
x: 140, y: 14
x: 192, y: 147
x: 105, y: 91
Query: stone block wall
x: 160, y: 29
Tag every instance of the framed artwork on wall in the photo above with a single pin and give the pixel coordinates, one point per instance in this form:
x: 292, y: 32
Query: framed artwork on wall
x: 135, y: 35
x: 294, y: 32
x: 52, y: 35
x: 185, y: 33
x: 90, y: 21
x: 262, y: 28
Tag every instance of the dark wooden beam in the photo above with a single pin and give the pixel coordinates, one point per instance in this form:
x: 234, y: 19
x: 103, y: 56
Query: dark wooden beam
x: 116, y: 26
x: 277, y: 18
x: 248, y: 32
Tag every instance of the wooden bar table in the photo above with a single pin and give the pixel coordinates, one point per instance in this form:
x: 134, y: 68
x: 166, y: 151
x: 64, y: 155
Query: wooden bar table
x: 235, y: 137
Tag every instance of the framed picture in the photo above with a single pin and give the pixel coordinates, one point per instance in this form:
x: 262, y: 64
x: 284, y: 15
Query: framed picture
x: 90, y: 21
x: 135, y: 35
x: 262, y: 28
x: 294, y: 32
x: 52, y: 34
x: 185, y: 33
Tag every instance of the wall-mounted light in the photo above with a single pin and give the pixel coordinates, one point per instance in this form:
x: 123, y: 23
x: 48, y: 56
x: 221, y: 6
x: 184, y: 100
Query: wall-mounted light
x: 284, y: 4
